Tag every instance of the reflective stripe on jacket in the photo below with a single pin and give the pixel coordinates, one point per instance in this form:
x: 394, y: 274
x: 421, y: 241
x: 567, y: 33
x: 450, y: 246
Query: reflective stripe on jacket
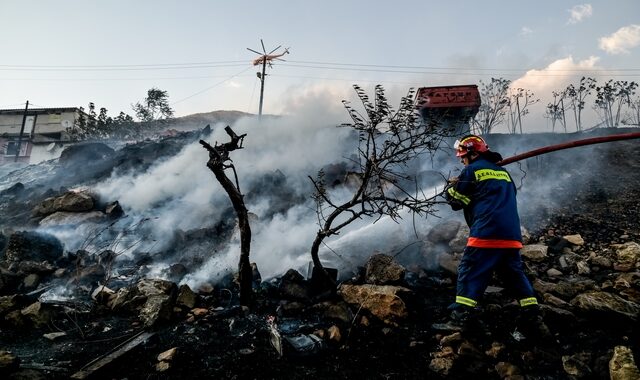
x: 487, y: 194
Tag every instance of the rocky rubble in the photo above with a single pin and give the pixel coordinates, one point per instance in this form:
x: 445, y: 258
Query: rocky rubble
x: 385, y: 300
x: 584, y: 263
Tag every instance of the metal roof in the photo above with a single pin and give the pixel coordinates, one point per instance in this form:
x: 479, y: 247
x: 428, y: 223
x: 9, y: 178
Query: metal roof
x: 39, y: 110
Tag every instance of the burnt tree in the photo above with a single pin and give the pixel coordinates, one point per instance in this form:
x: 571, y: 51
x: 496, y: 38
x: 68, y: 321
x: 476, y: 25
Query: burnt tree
x: 218, y: 162
x: 388, y: 141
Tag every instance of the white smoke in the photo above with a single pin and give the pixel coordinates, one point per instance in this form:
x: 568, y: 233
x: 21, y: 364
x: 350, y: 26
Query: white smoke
x: 181, y: 193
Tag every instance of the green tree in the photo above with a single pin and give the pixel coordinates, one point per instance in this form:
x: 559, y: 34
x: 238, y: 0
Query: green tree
x: 555, y: 111
x: 634, y: 108
x: 99, y: 126
x: 519, y: 102
x: 388, y: 141
x: 154, y: 107
x: 577, y: 96
x: 495, y: 103
x: 92, y: 118
x: 610, y: 99
x: 125, y: 127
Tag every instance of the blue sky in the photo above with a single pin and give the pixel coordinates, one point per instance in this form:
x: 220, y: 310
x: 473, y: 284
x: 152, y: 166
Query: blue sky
x: 71, y: 52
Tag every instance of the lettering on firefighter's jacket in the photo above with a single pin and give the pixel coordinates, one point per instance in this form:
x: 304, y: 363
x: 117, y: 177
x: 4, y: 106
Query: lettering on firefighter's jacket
x: 485, y: 174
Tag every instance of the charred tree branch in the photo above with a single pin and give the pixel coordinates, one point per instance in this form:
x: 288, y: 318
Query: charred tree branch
x: 218, y: 157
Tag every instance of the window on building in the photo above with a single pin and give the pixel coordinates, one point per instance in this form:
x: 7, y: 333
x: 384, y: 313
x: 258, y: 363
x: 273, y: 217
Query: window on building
x: 11, y: 147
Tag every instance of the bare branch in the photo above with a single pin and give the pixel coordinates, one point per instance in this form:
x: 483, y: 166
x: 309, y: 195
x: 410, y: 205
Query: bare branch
x: 388, y: 140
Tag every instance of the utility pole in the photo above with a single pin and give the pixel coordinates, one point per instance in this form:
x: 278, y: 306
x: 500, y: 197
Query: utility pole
x: 24, y: 121
x: 264, y: 59
x: 262, y: 78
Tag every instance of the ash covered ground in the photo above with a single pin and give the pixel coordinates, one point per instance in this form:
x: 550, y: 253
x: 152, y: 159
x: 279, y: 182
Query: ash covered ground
x: 166, y: 250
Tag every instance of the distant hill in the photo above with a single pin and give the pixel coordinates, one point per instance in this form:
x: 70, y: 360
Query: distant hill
x: 199, y: 120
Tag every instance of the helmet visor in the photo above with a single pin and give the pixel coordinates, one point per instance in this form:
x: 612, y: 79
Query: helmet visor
x: 460, y: 150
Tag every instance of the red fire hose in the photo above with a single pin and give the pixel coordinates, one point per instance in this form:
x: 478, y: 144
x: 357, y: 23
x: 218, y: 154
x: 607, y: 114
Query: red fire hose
x: 570, y: 144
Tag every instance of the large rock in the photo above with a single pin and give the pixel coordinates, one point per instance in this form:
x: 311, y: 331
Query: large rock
x: 607, y: 303
x: 564, y: 289
x: 73, y: 218
x: 186, y: 297
x: 334, y: 310
x: 459, y: 242
x: 8, y: 362
x: 8, y: 303
x: 294, y: 286
x: 71, y: 201
x: 160, y: 300
x: 158, y: 308
x: 84, y: 153
x: 31, y: 245
x: 38, y: 313
x: 45, y: 207
x: 574, y: 239
x: 13, y: 190
x: 627, y: 253
x: 576, y: 365
x: 39, y: 267
x: 534, y: 252
x: 628, y: 286
x: 622, y: 366
x: 444, y: 232
x: 152, y: 287
x: 449, y: 262
x: 443, y: 361
x: 382, y: 301
x: 74, y: 201
x: 383, y: 270
x: 125, y: 299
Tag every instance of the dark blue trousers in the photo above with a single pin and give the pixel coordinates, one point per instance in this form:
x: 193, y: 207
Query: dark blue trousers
x: 477, y: 267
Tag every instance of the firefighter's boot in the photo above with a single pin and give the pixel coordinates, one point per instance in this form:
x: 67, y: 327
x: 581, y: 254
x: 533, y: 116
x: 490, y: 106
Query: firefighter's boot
x: 461, y: 318
x: 531, y: 324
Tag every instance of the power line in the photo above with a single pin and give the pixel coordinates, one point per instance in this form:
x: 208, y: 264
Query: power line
x: 498, y: 72
x: 113, y: 79
x: 146, y: 68
x: 125, y: 65
x: 307, y: 64
x: 210, y: 87
x: 477, y: 74
x: 450, y: 68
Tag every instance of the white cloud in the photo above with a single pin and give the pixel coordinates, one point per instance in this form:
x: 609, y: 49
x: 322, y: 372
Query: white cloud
x: 233, y: 84
x: 555, y: 77
x: 619, y: 42
x: 524, y: 31
x: 579, y: 13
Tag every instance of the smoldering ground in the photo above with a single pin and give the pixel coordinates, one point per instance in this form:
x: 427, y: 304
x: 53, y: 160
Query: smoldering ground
x: 179, y: 194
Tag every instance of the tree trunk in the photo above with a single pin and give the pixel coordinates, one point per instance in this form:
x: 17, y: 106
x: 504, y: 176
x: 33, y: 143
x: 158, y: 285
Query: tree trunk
x: 321, y: 280
x: 244, y: 266
x: 218, y: 155
x: 315, y: 247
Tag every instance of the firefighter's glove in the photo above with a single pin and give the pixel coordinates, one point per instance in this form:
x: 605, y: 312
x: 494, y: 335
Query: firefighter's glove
x: 454, y: 203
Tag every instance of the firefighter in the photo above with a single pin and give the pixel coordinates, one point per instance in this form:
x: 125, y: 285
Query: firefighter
x: 487, y: 195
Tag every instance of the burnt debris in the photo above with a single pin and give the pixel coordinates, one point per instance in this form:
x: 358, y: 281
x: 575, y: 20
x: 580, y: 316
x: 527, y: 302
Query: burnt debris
x: 92, y: 311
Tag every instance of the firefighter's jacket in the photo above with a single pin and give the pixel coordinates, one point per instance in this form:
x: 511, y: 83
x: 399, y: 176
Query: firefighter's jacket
x: 487, y: 194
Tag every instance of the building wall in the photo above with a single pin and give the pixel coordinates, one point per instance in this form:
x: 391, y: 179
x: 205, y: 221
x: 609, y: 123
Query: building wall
x: 50, y: 121
x: 11, y: 124
x: 7, y: 154
x: 44, y: 152
x: 44, y: 134
x: 54, y: 123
